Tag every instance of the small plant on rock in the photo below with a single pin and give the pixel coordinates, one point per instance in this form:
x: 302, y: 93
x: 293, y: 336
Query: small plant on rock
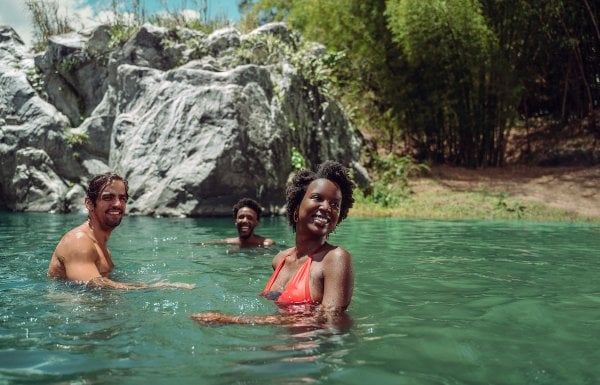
x: 76, y: 139
x: 36, y: 79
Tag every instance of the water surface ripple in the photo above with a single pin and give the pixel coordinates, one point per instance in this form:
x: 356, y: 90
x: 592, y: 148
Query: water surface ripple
x: 435, y: 302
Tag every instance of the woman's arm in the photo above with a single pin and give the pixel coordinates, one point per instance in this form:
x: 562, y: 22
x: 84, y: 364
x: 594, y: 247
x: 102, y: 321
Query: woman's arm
x: 338, y: 281
x: 211, y: 318
x: 317, y: 319
x: 337, y: 293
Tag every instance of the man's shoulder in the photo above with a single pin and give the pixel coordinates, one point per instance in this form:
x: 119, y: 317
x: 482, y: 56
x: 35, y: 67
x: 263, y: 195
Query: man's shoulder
x: 268, y: 242
x: 76, y: 238
x: 82, y: 228
x: 257, y: 240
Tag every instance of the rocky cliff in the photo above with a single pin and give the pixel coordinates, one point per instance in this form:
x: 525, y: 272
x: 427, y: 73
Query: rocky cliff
x: 193, y: 121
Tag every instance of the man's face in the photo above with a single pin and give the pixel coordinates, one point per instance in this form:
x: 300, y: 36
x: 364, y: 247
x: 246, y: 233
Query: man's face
x: 245, y: 221
x: 110, y: 205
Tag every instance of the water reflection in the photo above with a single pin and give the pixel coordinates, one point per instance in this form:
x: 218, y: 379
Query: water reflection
x: 295, y: 355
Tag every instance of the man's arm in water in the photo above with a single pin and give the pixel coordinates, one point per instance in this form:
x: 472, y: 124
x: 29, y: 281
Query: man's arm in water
x: 106, y: 282
x: 237, y: 241
x: 79, y: 258
x: 226, y: 241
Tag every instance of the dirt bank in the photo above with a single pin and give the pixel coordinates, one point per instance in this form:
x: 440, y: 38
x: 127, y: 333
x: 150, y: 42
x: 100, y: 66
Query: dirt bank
x: 574, y: 189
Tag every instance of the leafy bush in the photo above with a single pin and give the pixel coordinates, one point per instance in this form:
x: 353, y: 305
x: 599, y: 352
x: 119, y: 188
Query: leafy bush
x: 120, y: 33
x: 391, y: 179
x: 68, y: 64
x: 261, y: 50
x: 510, y: 206
x: 297, y: 160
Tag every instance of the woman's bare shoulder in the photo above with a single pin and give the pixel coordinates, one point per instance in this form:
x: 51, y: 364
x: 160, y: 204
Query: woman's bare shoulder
x: 337, y: 255
x: 281, y: 255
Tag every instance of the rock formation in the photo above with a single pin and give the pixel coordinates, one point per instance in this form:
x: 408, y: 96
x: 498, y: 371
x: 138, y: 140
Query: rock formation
x: 193, y: 121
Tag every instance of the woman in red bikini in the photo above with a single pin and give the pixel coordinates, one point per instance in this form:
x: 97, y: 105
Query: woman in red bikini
x: 313, y: 280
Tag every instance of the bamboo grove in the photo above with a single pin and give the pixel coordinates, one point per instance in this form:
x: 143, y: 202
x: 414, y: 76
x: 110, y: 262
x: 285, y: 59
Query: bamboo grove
x: 448, y: 79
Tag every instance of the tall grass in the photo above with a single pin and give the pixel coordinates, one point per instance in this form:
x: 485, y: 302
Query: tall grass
x: 125, y: 16
x: 48, y: 19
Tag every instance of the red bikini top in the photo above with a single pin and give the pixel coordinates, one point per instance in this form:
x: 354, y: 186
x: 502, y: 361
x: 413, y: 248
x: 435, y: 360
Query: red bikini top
x: 297, y: 291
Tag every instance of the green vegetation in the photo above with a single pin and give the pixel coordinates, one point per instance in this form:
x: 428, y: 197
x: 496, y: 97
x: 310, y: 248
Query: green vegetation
x: 76, y: 139
x: 448, y: 78
x: 261, y: 50
x: 120, y: 33
x: 445, y: 113
x: 390, y: 186
x: 445, y: 81
x: 69, y: 64
x: 477, y: 205
x: 297, y: 160
x: 35, y: 78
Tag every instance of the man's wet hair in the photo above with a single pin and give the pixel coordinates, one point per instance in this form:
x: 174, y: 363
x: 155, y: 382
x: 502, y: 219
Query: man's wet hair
x: 100, y: 181
x: 247, y: 202
x: 330, y: 170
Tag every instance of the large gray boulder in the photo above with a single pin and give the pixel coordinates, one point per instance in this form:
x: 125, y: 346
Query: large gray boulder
x: 191, y: 141
x: 37, y: 162
x: 193, y: 121
x: 37, y: 186
x: 75, y: 72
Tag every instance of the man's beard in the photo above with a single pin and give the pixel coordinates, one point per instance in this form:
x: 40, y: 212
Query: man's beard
x: 111, y: 222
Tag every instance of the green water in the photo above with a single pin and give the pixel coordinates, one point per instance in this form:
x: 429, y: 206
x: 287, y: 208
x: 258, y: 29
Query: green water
x: 434, y: 303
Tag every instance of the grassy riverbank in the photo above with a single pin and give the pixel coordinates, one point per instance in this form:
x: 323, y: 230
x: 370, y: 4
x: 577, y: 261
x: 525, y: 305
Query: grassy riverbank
x: 532, y: 194
x: 468, y: 205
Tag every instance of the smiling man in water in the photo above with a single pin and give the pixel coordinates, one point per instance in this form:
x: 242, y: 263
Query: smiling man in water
x: 82, y: 254
x: 246, y: 215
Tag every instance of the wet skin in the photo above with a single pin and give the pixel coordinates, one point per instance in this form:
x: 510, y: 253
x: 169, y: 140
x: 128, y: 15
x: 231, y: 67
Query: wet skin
x: 82, y: 254
x: 331, y: 279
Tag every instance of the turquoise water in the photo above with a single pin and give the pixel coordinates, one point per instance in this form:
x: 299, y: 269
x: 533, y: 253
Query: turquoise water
x: 434, y: 303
